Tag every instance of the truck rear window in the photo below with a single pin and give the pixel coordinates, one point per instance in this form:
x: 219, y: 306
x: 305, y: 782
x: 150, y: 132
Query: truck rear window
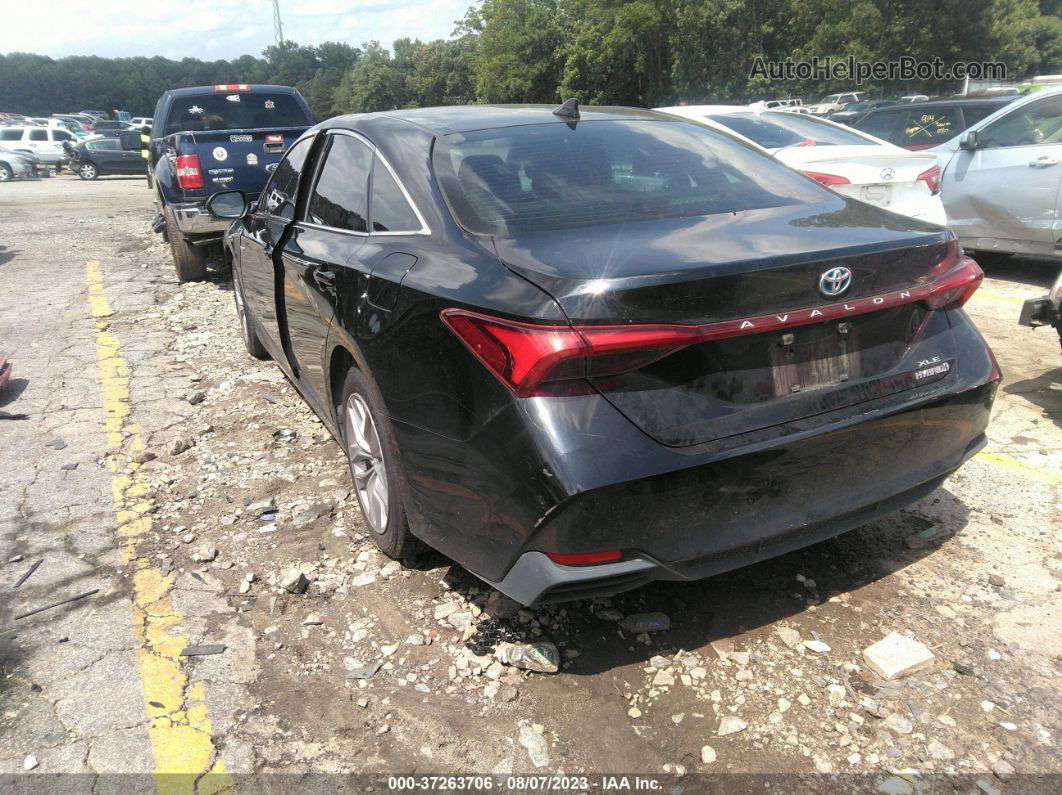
x: 239, y: 110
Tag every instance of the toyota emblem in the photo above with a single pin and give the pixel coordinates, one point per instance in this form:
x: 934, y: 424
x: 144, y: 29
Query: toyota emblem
x: 887, y: 174
x: 835, y: 281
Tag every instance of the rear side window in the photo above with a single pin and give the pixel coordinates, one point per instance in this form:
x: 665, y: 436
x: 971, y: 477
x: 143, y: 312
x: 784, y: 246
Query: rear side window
x: 884, y: 125
x: 106, y: 144
x: 11, y: 135
x: 239, y: 110
x: 974, y: 113
x: 39, y: 134
x: 280, y: 192
x: 61, y: 135
x: 340, y: 199
x: 930, y: 126
x: 779, y: 129
x: 549, y: 176
x: 390, y: 210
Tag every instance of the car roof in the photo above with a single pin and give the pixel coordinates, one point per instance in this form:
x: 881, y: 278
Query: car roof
x: 195, y: 91
x: 948, y: 103
x: 467, y: 118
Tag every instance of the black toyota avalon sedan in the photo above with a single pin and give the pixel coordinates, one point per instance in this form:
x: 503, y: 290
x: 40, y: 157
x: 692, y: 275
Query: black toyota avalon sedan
x: 576, y: 351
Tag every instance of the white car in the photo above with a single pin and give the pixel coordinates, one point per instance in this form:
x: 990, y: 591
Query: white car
x: 44, y: 142
x: 141, y: 121
x: 846, y: 160
x: 1002, y: 179
x: 835, y: 102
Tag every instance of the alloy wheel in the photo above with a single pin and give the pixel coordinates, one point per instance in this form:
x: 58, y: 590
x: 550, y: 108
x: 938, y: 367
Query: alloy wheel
x: 87, y: 171
x: 366, y: 462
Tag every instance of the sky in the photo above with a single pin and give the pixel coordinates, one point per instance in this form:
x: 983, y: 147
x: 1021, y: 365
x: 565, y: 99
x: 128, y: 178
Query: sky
x: 213, y: 29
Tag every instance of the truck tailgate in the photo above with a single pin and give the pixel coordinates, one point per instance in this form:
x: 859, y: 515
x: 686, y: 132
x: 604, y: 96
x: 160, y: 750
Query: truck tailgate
x: 238, y: 159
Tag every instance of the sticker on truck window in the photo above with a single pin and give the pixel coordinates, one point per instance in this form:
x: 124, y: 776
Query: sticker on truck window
x: 270, y: 104
x: 195, y: 110
x: 233, y: 97
x: 252, y: 159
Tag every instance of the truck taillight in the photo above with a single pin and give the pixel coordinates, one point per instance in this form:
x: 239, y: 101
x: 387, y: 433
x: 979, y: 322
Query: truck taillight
x: 931, y: 177
x: 189, y: 176
x: 227, y: 87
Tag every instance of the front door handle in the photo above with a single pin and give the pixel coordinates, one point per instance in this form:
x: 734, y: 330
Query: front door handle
x: 1043, y: 162
x: 325, y: 279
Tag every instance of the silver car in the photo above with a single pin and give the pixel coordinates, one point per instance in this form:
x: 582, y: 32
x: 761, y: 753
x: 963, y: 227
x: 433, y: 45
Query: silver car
x: 13, y: 164
x: 1002, y: 179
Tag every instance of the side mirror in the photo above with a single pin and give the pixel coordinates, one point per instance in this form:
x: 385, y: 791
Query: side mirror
x: 969, y: 141
x: 228, y: 204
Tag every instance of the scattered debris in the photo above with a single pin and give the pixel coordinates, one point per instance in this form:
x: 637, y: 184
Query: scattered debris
x: 77, y: 598
x: 996, y: 580
x: 30, y: 762
x: 897, y: 655
x: 536, y: 745
x: 29, y: 573
x: 365, y: 671
x: 312, y: 620
x: 540, y: 657
x: 294, y: 581
x: 645, y: 622
x: 203, y: 651
x: 789, y: 636
x: 816, y: 646
x: 56, y: 444
x: 707, y: 754
x: 730, y: 724
x: 205, y: 553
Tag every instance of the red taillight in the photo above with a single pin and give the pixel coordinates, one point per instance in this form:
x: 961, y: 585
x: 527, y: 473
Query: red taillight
x: 829, y: 180
x: 956, y: 286
x: 275, y: 138
x: 587, y: 559
x: 189, y: 177
x: 527, y: 357
x: 931, y: 177
x: 227, y: 87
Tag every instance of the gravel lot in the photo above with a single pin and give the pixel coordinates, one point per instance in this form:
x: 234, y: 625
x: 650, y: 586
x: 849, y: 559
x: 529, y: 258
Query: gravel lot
x: 760, y: 671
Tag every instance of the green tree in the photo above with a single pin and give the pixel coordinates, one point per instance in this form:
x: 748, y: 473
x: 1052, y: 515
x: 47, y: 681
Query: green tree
x: 373, y: 83
x: 520, y: 52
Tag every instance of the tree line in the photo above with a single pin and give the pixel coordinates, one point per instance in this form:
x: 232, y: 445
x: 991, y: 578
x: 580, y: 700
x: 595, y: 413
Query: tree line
x: 619, y: 52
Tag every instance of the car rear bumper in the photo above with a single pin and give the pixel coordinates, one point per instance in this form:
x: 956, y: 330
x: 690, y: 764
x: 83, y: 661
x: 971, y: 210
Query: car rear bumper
x: 194, y: 220
x: 573, y: 476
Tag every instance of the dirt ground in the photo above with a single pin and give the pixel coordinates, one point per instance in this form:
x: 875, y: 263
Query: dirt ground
x: 157, y: 462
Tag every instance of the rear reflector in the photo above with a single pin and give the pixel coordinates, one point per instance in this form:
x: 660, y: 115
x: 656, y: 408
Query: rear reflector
x: 527, y: 356
x: 829, y: 180
x: 931, y: 177
x: 587, y: 559
x: 189, y: 175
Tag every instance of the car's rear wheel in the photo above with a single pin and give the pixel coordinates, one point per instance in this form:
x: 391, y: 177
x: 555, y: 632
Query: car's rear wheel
x: 371, y: 454
x: 247, y: 324
x: 189, y: 261
x: 6, y: 174
x: 990, y: 258
x: 88, y: 171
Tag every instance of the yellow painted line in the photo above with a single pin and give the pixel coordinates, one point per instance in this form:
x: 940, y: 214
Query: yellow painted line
x: 180, y: 731
x: 1010, y: 299
x: 1004, y: 461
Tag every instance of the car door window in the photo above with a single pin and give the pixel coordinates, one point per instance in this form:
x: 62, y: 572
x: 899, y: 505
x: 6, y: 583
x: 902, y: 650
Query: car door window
x: 928, y: 127
x: 1035, y: 123
x: 103, y: 145
x: 38, y: 135
x: 880, y: 125
x: 391, y: 212
x: 281, y: 191
x: 340, y: 198
x: 61, y: 135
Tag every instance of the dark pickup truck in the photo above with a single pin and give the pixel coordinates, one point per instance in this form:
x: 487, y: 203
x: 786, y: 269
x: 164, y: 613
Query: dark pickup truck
x: 213, y: 138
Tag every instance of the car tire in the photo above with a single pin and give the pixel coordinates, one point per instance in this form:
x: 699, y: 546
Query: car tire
x: 88, y: 171
x: 189, y: 261
x: 248, y: 327
x: 6, y: 174
x: 373, y: 460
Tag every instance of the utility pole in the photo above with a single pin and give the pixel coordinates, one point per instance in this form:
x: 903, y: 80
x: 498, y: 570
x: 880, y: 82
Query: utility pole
x: 278, y: 29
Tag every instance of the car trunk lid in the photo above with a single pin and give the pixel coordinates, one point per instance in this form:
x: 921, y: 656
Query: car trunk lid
x: 754, y: 340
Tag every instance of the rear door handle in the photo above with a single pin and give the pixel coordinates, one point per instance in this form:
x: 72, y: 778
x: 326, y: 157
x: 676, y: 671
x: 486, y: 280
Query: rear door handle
x: 325, y: 279
x: 1043, y: 162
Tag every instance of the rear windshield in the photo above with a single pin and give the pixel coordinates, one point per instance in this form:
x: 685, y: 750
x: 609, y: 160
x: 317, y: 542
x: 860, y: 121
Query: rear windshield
x: 776, y: 130
x: 548, y: 176
x: 239, y: 110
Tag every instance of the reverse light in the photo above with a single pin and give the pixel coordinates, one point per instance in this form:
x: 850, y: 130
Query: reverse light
x: 931, y: 177
x: 829, y: 180
x: 189, y: 175
x: 586, y: 559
